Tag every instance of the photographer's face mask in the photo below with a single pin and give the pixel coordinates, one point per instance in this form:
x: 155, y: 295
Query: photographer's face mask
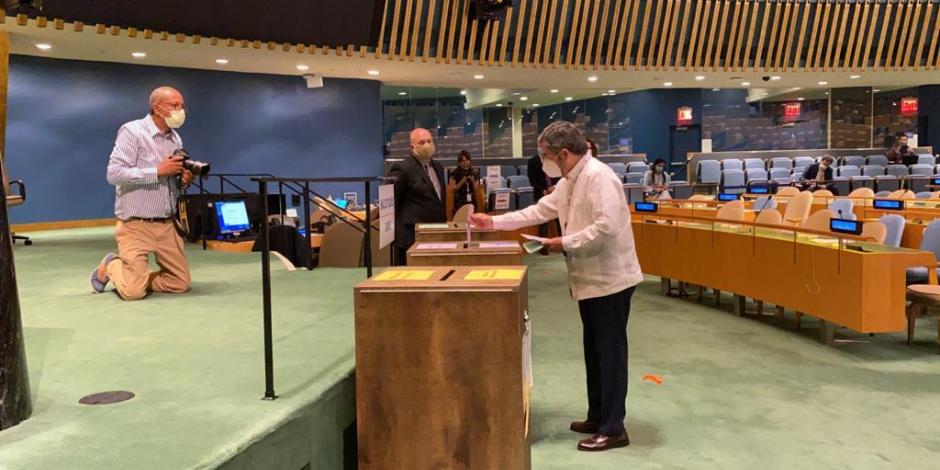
x: 175, y: 118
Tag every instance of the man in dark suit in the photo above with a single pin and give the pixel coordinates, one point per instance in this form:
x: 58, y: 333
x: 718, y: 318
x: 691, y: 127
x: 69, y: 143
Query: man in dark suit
x: 419, y: 192
x: 819, y: 176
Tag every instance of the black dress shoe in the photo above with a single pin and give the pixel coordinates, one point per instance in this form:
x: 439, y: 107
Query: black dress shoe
x: 584, y: 427
x: 599, y: 442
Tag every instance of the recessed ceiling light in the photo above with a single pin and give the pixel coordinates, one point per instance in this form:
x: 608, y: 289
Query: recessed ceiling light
x: 796, y: 88
x: 875, y: 90
x: 667, y: 83
x: 699, y: 77
x: 827, y: 92
x: 715, y: 89
x: 44, y: 46
x: 554, y: 90
x: 138, y: 55
x: 592, y: 78
x: 373, y: 72
x: 516, y: 93
x: 536, y: 105
x: 221, y: 61
x: 800, y: 99
x: 568, y: 98
x: 478, y: 77
x: 823, y: 83
x: 524, y: 98
x: 402, y: 93
x: 745, y: 83
x: 499, y: 105
x: 775, y: 77
x: 463, y: 92
x: 855, y: 77
x: 303, y: 67
x: 611, y: 91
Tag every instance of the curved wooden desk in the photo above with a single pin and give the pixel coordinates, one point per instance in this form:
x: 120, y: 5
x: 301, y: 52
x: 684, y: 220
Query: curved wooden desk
x: 790, y: 267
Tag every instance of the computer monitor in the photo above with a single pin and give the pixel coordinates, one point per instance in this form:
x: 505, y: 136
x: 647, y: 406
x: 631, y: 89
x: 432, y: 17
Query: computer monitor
x: 760, y: 189
x: 232, y: 217
x: 341, y: 203
x: 646, y: 206
x: 935, y: 181
x: 851, y: 227
x: 728, y: 197
x: 888, y: 204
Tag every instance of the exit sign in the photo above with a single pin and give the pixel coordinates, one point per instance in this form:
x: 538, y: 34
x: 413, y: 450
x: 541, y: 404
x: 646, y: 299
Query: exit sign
x: 791, y: 112
x: 684, y: 116
x: 909, y: 106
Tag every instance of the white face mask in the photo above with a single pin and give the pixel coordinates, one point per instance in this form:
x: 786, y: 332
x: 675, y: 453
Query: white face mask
x: 176, y: 118
x: 424, y: 152
x: 659, y: 169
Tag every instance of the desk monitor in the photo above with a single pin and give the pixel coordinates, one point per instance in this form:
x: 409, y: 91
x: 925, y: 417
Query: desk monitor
x: 888, y: 204
x: 341, y: 203
x: 759, y: 189
x: 935, y: 181
x: 646, y: 206
x: 232, y: 216
x: 728, y: 197
x: 851, y: 227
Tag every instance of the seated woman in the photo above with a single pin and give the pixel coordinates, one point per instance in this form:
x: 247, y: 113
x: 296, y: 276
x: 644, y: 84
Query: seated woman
x: 657, y: 180
x: 819, y: 176
x: 466, y: 181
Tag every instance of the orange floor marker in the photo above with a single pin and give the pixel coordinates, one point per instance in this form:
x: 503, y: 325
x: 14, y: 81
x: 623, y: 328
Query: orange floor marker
x: 653, y: 378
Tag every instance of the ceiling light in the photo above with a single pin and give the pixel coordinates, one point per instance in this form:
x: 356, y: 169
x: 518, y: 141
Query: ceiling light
x: 463, y: 92
x: 373, y: 72
x: 827, y: 92
x: 611, y: 91
x: 875, y: 90
x: 823, y: 83
x: 592, y: 78
x: 221, y: 61
x: 568, y: 98
x: 402, y: 93
x: 303, y: 68
x: 796, y: 88
x: 699, y: 77
x: 855, y: 77
x: 715, y: 89
x: 745, y: 83
x: 516, y: 93
x: 478, y: 77
x: 44, y: 46
x: 775, y: 77
x: 138, y: 55
x: 524, y: 98
x: 536, y: 105
x: 667, y: 83
x: 800, y: 99
x: 764, y: 94
x: 499, y: 105
x: 554, y: 90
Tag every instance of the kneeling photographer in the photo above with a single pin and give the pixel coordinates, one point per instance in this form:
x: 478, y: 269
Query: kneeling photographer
x: 147, y: 169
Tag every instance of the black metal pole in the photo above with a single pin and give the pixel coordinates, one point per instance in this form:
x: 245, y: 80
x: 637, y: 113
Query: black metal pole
x: 15, y: 402
x: 368, y: 227
x: 306, y: 225
x: 266, y: 294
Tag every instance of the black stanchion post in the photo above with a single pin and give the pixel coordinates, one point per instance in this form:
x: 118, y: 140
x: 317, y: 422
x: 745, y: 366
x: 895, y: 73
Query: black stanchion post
x: 203, y: 220
x: 368, y: 227
x: 266, y: 294
x: 15, y: 402
x: 306, y: 225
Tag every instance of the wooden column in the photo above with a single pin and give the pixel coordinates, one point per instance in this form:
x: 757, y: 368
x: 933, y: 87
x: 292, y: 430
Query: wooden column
x: 4, y: 77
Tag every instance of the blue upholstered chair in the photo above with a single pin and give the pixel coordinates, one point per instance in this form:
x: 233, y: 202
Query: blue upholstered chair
x: 895, y: 225
x: 931, y: 243
x: 843, y: 208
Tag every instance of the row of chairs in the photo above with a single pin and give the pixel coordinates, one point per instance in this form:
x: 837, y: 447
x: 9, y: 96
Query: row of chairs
x: 847, y: 178
x: 796, y: 162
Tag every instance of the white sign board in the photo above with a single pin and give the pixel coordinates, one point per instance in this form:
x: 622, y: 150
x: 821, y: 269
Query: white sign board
x: 493, y: 177
x: 386, y: 215
x: 502, y: 201
x: 706, y: 146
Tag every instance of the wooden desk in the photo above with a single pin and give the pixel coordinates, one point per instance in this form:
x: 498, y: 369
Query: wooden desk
x: 443, y: 369
x: 245, y: 246
x: 861, y: 291
x: 501, y: 253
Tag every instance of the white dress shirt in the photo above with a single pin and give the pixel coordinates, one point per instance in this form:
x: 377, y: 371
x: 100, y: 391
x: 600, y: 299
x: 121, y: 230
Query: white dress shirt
x: 141, y: 146
x: 596, y: 231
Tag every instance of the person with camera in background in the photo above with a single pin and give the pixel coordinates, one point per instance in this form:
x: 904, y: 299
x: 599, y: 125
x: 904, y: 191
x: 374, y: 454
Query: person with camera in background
x: 146, y: 170
x: 900, y: 153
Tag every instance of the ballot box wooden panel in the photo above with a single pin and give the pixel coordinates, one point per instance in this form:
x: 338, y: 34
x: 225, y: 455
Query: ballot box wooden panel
x: 441, y: 375
x: 493, y: 253
x: 453, y: 232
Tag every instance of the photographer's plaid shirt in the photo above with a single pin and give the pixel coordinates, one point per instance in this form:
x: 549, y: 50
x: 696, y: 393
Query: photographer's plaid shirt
x: 141, y: 146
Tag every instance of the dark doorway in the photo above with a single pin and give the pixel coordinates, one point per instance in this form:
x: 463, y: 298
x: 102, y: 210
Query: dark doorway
x: 682, y: 140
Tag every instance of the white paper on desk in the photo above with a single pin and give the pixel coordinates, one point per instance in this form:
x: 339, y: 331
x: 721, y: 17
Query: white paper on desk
x: 498, y: 244
x: 436, y: 246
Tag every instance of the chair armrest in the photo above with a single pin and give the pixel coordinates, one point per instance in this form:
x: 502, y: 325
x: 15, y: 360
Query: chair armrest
x: 932, y: 274
x: 21, y: 188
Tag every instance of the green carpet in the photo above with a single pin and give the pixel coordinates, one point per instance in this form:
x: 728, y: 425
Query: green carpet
x: 736, y: 392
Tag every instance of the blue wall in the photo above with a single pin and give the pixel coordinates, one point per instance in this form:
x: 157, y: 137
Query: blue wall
x: 63, y: 117
x: 929, y: 106
x: 653, y: 111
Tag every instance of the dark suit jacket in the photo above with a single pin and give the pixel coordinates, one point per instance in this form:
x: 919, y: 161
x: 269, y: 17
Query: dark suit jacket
x: 537, y: 177
x: 415, y: 198
x: 810, y: 173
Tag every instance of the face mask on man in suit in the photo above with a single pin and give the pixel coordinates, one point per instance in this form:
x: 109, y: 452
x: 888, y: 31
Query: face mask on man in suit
x: 424, y: 152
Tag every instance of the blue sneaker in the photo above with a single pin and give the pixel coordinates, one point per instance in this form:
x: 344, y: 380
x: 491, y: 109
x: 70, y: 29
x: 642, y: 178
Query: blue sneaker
x: 97, y: 284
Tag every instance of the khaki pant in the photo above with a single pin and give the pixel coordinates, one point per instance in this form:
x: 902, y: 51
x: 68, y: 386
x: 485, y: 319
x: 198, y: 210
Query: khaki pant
x: 130, y: 271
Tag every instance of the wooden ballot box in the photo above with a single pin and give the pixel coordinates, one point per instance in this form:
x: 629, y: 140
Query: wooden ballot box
x: 453, y: 232
x: 503, y: 252
x: 443, y: 368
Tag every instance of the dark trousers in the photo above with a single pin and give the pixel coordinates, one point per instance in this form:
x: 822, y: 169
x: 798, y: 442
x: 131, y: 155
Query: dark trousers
x: 605, y: 358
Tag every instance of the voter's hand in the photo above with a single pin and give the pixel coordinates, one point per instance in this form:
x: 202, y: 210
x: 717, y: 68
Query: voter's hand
x: 480, y: 221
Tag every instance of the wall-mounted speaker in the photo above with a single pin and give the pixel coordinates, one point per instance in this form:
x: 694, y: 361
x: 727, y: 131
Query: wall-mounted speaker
x: 28, y: 7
